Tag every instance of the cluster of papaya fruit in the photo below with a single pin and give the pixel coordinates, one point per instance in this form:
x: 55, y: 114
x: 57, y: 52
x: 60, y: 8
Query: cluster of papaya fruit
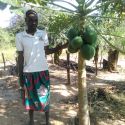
x: 84, y: 41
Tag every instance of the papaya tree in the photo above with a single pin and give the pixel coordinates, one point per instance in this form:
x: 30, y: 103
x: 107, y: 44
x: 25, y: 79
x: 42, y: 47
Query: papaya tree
x: 78, y: 22
x: 81, y: 14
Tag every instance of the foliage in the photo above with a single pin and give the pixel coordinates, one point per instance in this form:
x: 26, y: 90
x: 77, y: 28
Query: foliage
x: 11, y: 2
x: 19, y: 26
x: 41, y: 2
x: 7, y: 44
x: 111, y: 7
x: 7, y: 35
x: 117, y: 37
x: 9, y: 53
x: 59, y: 23
x: 6, y: 38
x: 113, y: 30
x: 53, y: 22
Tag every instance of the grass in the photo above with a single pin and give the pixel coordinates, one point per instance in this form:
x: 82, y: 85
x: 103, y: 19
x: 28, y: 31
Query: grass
x: 9, y: 54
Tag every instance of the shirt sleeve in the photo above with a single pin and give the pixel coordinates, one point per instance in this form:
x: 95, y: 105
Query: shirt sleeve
x: 19, y: 45
x: 45, y: 38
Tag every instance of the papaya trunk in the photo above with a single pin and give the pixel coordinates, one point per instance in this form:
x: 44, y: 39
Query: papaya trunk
x: 82, y: 93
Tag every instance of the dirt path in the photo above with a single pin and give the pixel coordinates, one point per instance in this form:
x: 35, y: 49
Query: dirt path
x: 62, y: 112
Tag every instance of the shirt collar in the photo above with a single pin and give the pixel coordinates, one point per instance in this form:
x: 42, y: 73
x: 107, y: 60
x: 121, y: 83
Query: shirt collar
x: 29, y: 35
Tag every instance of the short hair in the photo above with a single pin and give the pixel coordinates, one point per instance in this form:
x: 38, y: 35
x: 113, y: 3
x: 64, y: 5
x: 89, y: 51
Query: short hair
x: 30, y: 12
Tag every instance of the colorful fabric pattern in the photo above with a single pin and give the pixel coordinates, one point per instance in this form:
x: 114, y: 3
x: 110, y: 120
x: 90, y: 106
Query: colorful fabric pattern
x: 36, y: 94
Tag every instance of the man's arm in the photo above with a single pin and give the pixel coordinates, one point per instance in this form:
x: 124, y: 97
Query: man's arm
x: 20, y: 63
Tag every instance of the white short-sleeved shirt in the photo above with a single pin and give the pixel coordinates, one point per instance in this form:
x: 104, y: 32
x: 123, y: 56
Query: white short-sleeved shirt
x: 33, y: 48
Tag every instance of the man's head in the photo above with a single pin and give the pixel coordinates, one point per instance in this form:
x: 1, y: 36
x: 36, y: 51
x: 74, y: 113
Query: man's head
x: 31, y: 20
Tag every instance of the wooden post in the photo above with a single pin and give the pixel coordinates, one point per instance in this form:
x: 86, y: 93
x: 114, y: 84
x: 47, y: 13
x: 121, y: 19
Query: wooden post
x: 3, y: 61
x: 68, y: 67
x: 96, y: 59
x: 82, y: 93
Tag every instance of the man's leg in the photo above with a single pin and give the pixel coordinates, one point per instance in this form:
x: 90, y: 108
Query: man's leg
x: 47, y: 117
x: 31, y: 113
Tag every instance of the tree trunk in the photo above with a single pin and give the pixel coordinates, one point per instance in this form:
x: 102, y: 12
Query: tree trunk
x: 82, y: 93
x: 112, y: 60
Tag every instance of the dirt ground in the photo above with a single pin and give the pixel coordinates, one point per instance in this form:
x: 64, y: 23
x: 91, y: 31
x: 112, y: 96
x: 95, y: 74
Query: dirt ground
x: 64, y: 103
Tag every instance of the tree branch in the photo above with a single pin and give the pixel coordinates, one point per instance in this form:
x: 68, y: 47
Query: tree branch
x: 89, y: 3
x: 53, y: 50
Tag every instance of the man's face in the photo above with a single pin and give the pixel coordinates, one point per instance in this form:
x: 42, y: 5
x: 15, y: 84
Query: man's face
x: 32, y: 22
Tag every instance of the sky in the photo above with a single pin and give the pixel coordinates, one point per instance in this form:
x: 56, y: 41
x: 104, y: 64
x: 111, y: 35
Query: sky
x: 73, y: 2
x: 6, y: 15
x: 66, y: 4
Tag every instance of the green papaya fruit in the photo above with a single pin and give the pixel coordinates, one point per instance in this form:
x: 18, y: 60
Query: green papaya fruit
x: 77, y: 42
x: 87, y: 51
x: 89, y: 36
x: 72, y: 33
x: 94, y: 44
x: 71, y: 49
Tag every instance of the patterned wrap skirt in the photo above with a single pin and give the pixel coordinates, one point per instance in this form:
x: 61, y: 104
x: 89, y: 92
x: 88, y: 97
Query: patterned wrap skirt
x: 36, y: 94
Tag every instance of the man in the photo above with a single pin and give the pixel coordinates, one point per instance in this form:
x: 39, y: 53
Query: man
x: 32, y: 67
